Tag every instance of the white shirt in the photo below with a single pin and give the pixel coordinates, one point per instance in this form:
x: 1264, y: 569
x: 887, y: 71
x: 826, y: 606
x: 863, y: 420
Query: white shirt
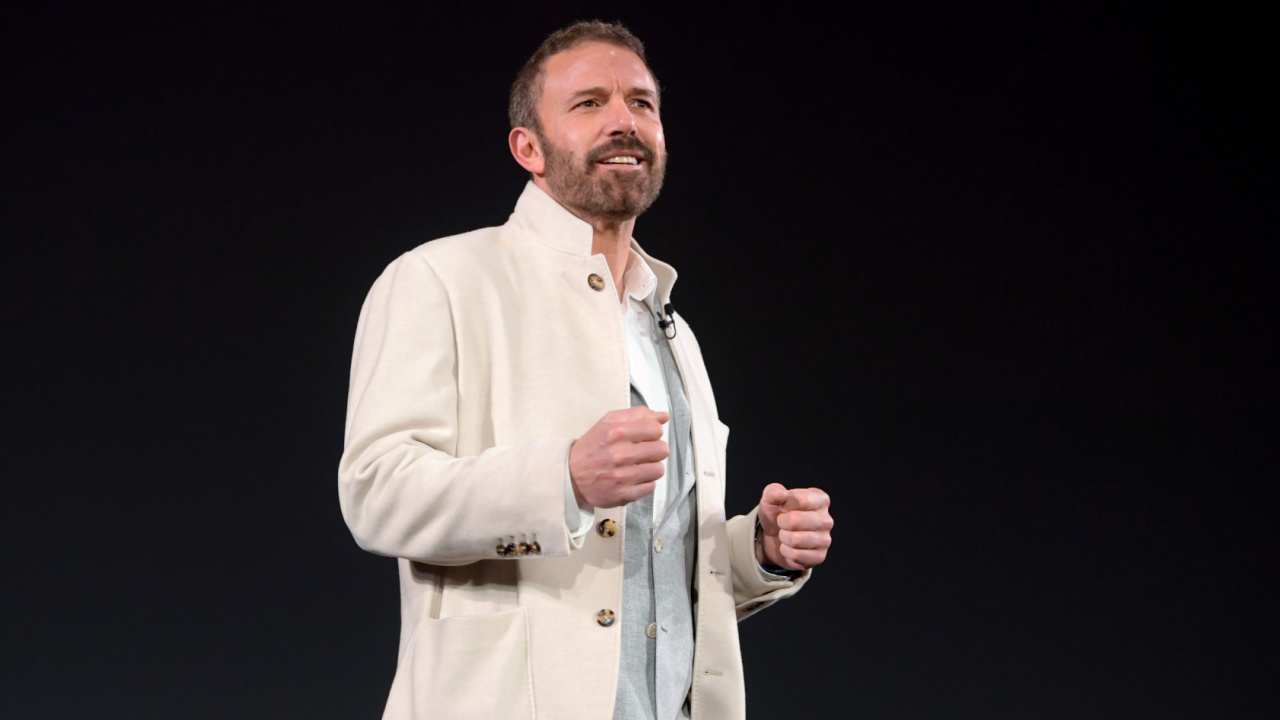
x: 641, y: 331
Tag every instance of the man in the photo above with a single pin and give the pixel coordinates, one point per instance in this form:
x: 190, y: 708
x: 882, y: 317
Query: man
x: 532, y: 432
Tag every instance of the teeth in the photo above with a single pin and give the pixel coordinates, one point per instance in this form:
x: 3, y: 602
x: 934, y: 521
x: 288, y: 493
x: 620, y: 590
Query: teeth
x: 623, y: 160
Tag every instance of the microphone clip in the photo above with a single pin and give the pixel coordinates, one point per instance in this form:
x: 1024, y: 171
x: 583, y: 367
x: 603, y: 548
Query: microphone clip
x: 667, y: 323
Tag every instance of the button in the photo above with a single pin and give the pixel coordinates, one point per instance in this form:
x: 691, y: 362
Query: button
x: 501, y: 550
x: 605, y: 617
x: 535, y: 548
x: 596, y: 282
x: 509, y: 550
x: 522, y: 549
x: 652, y: 630
x: 607, y: 528
x: 657, y: 544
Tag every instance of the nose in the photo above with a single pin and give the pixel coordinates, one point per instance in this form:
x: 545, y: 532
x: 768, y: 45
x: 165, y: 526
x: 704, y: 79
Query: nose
x: 619, y: 120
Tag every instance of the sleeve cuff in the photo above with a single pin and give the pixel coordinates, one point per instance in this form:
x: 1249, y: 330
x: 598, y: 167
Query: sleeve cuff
x: 576, y: 518
x: 753, y: 588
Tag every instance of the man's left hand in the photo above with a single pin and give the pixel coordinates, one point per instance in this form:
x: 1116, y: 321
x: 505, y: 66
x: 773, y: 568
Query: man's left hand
x: 796, y: 527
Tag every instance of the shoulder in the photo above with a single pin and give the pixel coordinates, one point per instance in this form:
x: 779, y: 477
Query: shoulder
x: 422, y: 265
x: 491, y: 251
x: 463, y: 248
x: 493, y: 263
x: 442, y: 260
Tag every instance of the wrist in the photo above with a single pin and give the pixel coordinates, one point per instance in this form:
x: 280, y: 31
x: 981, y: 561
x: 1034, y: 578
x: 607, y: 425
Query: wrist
x: 762, y: 557
x: 578, y: 497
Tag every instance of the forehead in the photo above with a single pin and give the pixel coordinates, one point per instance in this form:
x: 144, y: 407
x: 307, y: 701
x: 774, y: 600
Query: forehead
x: 595, y: 64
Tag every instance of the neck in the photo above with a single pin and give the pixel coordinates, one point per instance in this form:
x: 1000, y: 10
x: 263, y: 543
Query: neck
x: 612, y: 239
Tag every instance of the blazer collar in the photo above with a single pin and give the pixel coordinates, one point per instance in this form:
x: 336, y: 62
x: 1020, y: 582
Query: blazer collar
x: 540, y: 218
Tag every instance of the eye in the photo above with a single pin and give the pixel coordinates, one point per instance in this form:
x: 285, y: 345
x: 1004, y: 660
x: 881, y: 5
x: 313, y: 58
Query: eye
x: 642, y: 103
x: 588, y: 103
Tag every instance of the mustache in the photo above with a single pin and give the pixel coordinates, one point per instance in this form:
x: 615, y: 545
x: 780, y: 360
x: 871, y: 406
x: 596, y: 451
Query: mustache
x: 620, y: 144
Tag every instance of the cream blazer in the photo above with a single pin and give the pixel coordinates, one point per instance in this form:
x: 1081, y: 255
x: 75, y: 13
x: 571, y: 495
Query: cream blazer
x: 478, y: 359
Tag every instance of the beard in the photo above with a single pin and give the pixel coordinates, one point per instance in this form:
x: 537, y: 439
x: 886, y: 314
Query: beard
x: 593, y: 193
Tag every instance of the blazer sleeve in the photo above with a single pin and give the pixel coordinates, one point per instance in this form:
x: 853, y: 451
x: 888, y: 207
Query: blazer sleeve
x: 402, y: 488
x: 753, y: 588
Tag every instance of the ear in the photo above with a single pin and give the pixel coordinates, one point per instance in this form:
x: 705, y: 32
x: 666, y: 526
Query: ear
x: 526, y: 150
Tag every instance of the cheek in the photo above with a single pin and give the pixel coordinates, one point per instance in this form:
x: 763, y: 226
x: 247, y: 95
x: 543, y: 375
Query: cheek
x: 575, y: 139
x: 568, y: 137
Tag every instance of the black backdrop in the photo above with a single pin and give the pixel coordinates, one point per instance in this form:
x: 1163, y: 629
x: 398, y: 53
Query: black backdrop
x: 1002, y: 281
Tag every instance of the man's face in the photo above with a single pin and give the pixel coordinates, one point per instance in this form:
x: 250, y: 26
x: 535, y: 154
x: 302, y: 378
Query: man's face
x: 601, y: 134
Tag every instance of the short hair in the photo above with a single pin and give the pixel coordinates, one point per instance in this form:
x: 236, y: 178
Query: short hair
x: 522, y: 109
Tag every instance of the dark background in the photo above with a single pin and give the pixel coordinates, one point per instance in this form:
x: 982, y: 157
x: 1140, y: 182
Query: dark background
x: 1002, y: 281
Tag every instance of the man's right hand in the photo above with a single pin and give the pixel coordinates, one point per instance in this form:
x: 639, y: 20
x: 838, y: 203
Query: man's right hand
x: 619, y: 459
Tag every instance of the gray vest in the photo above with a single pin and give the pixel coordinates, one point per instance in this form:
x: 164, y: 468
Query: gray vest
x: 657, y: 592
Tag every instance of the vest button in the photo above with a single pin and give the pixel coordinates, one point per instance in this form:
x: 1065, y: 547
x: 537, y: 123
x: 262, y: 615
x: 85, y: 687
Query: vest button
x: 657, y: 544
x: 596, y: 282
x: 607, y: 528
x: 605, y: 617
x: 652, y: 630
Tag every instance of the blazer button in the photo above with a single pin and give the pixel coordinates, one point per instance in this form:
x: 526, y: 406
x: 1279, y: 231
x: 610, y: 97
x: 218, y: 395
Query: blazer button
x: 605, y: 617
x: 607, y: 528
x: 501, y: 550
x: 522, y: 549
x: 596, y: 282
x: 657, y: 544
x: 652, y: 630
x: 535, y: 548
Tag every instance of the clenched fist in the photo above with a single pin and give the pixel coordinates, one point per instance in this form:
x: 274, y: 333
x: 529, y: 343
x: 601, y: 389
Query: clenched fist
x: 619, y: 459
x: 795, y: 525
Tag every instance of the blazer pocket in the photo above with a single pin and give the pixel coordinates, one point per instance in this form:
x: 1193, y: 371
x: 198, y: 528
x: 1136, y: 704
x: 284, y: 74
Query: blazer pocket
x: 466, y: 667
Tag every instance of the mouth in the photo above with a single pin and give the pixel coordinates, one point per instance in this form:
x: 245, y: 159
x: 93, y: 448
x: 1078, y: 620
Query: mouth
x: 623, y: 154
x: 622, y: 159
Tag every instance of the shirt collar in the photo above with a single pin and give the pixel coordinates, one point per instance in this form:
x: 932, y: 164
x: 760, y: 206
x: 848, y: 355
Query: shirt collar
x: 638, y: 279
